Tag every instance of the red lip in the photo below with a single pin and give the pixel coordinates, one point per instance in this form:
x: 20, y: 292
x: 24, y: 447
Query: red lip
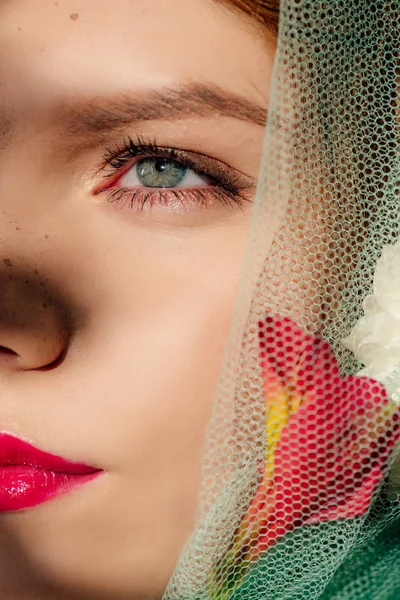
x: 29, y: 477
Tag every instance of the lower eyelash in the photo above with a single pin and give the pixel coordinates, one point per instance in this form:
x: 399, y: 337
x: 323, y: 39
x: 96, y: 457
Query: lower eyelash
x: 138, y: 198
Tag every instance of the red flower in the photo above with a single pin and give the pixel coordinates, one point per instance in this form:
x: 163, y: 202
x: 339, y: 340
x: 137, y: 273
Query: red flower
x: 328, y: 440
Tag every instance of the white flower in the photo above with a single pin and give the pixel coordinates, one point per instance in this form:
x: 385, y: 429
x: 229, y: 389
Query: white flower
x: 375, y: 340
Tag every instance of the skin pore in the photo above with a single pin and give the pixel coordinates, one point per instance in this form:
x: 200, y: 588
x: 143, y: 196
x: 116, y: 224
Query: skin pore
x: 116, y: 299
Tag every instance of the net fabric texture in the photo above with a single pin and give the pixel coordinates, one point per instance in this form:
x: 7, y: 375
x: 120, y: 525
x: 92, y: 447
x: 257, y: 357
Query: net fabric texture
x: 300, y: 489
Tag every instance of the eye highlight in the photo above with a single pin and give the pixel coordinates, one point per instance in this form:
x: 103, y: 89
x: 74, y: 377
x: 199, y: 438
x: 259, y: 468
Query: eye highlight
x: 144, y: 175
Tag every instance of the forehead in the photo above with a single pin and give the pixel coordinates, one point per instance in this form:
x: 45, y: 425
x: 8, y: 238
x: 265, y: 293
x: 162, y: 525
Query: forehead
x: 92, y: 46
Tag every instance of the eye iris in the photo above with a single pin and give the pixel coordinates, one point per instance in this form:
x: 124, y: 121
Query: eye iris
x: 160, y: 172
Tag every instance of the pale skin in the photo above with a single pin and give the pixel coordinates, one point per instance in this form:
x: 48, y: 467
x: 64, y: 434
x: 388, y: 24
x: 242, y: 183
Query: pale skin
x: 114, y: 321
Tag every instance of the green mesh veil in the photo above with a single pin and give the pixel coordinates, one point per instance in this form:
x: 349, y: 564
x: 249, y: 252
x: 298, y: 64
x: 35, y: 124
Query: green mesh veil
x: 300, y: 489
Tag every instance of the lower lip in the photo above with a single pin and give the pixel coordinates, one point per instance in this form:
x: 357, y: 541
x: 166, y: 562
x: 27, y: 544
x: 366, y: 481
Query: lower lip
x: 25, y: 487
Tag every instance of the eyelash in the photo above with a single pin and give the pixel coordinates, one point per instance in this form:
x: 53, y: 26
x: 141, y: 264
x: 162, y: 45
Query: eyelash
x: 229, y: 188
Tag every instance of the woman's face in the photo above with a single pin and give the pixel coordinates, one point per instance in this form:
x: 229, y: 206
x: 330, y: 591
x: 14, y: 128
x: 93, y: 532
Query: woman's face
x: 130, y: 139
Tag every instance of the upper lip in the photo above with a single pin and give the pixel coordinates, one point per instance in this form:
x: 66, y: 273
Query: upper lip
x: 15, y: 452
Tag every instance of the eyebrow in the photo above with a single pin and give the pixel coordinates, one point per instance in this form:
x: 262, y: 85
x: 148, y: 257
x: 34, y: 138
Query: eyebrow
x: 99, y: 115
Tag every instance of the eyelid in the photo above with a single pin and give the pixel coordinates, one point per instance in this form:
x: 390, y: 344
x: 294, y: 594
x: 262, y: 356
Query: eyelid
x: 118, y: 173
x: 120, y: 159
x: 227, y: 186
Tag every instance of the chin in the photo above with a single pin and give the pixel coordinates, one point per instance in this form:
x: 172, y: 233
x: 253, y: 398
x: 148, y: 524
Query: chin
x: 97, y: 544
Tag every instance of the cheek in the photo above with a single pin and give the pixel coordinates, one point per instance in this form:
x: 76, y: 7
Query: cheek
x: 156, y: 349
x: 138, y: 388
x: 176, y: 345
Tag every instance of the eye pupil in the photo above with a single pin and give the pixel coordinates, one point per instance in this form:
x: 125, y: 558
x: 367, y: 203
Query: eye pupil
x: 160, y: 172
x: 161, y: 165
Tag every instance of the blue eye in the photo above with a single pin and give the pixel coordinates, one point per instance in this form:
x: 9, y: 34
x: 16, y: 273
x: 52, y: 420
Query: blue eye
x: 159, y: 172
x: 171, y: 181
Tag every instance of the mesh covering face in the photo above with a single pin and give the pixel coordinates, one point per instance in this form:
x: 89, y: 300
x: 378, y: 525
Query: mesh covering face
x: 300, y: 489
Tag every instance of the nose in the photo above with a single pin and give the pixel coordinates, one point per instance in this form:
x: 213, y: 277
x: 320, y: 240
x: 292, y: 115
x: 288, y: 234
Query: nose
x: 33, y: 331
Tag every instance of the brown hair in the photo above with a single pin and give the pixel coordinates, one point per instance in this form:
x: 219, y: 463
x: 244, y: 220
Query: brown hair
x: 264, y: 11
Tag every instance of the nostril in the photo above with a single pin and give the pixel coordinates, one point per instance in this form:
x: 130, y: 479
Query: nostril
x: 4, y: 350
x: 8, y: 358
x: 56, y: 363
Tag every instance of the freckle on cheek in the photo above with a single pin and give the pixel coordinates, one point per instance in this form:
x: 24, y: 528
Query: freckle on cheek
x: 7, y: 262
x: 74, y: 16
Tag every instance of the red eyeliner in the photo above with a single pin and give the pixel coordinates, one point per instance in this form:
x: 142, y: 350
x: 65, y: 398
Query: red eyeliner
x: 29, y: 477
